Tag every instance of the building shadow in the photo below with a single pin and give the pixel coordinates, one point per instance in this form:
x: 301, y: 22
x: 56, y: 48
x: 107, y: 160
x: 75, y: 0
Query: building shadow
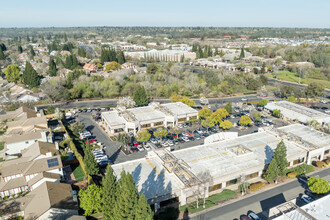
x: 136, y: 174
x: 114, y: 156
x: 271, y: 203
x: 269, y: 152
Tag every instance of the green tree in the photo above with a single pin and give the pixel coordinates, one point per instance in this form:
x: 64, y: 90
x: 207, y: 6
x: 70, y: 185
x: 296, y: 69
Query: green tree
x: 277, y: 113
x: 152, y: 68
x: 121, y: 57
x: 78, y: 127
x: 109, y: 183
x: 2, y: 55
x: 81, y: 52
x: 242, y: 54
x: 3, y: 47
x: 91, y: 166
x: 124, y: 138
x: 112, y: 66
x: 208, y: 123
x: 245, y: 120
x: 91, y: 199
x: 143, y: 136
x: 20, y: 49
x: 127, y: 197
x: 262, y: 103
x: 140, y: 96
x: 226, y: 125
x: 142, y: 209
x: 30, y: 76
x: 280, y: 157
x: 12, y: 73
x: 52, y: 67
x: 291, y: 99
x: 315, y: 90
x: 32, y: 53
x: 50, y: 110
x: 161, y: 132
x: 256, y: 116
x: 229, y: 108
x: 204, y: 113
x: 263, y: 68
x: 318, y: 185
x: 272, y: 171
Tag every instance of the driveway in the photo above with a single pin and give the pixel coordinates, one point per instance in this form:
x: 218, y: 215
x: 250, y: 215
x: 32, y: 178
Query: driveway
x: 111, y: 147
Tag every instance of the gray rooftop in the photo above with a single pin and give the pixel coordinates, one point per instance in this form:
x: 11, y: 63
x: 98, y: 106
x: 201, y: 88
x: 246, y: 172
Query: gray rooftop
x: 146, y: 113
x: 178, y: 108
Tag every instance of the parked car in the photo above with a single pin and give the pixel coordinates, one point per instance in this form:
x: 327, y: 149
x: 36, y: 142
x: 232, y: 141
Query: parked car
x: 306, y: 199
x: 323, y: 101
x: 190, y: 133
x: 147, y: 147
x: 253, y: 216
x: 140, y: 148
x: 186, y: 139
x: 197, y: 136
x: 90, y: 141
x: 244, y: 217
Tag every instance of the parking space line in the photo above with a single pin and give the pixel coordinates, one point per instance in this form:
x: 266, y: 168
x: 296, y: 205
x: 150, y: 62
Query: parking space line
x: 153, y: 166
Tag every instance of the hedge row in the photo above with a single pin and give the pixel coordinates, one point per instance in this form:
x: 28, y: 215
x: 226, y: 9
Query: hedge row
x: 75, y: 151
x: 256, y: 186
x: 301, y: 169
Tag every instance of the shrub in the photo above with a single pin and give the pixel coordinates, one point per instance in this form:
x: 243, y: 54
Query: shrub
x: 6, y: 197
x: 327, y: 161
x: 292, y: 174
x: 320, y: 164
x: 256, y: 186
x: 244, y: 186
x: 301, y: 169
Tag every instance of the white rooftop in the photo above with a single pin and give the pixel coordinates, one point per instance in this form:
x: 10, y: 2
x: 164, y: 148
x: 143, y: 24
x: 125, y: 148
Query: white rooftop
x: 319, y: 209
x: 298, y: 112
x: 178, y: 108
x: 113, y: 118
x: 146, y: 113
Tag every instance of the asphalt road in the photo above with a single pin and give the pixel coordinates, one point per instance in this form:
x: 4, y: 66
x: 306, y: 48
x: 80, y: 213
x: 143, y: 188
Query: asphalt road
x: 259, y: 203
x: 113, y: 102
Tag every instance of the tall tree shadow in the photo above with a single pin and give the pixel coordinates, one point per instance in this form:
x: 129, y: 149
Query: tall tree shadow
x: 269, y: 152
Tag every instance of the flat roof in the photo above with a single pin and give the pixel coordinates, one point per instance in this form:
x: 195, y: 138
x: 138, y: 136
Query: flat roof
x: 298, y: 112
x: 223, y: 161
x: 146, y: 113
x: 150, y: 176
x: 312, y: 136
x: 113, y: 118
x: 178, y: 108
x: 319, y: 209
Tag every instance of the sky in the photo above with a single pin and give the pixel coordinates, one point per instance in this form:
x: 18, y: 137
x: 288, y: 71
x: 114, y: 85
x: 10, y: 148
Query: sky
x: 216, y: 13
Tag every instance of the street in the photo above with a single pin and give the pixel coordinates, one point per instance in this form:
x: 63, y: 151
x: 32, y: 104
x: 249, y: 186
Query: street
x: 261, y: 202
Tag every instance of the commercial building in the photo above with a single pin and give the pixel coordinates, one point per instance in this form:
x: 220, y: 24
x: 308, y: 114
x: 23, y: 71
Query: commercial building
x: 316, y: 210
x: 135, y: 119
x: 299, y: 113
x: 162, y: 55
x: 211, y: 167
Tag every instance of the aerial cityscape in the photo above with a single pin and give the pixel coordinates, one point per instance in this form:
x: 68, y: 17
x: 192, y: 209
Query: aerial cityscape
x: 170, y: 110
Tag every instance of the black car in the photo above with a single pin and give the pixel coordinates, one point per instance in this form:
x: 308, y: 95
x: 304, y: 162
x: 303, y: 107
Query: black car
x: 181, y: 140
x: 324, y: 108
x: 191, y: 138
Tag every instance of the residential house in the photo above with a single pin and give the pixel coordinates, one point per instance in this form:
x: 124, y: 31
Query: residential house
x: 39, y: 163
x: 51, y: 200
x: 21, y: 113
x: 90, y: 67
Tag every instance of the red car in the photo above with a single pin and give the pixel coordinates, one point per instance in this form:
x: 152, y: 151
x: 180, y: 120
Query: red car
x: 90, y: 141
x: 245, y: 218
x: 190, y: 133
x: 174, y: 136
x: 136, y: 144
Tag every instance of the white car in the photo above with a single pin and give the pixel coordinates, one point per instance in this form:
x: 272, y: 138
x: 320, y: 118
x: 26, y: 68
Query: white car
x: 323, y: 101
x: 186, y: 139
x: 306, y: 199
x: 140, y: 148
x: 147, y: 147
x: 243, y: 99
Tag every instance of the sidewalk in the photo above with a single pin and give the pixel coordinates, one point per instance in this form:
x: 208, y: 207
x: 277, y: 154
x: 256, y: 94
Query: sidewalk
x: 266, y: 188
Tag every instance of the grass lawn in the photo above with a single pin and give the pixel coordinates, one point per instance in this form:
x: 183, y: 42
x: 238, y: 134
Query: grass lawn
x: 294, y: 77
x: 210, y: 201
x: 1, y: 159
x: 2, y: 145
x: 78, y: 172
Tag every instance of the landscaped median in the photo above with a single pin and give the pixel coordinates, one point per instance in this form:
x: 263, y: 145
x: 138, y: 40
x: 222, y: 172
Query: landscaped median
x: 209, y: 202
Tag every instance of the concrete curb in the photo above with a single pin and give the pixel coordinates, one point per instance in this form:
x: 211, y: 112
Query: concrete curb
x: 250, y: 194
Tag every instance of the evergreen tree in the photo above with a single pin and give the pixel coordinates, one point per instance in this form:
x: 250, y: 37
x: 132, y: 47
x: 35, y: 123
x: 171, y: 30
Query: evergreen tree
x: 3, y: 47
x: 81, y: 52
x: 229, y: 108
x: 216, y: 51
x: 140, y: 96
x: 127, y: 197
x: 1, y: 73
x: 109, y: 193
x: 194, y: 48
x: 272, y: 171
x: 199, y: 53
x: 89, y: 160
x: 2, y: 55
x: 30, y: 76
x: 242, y: 55
x: 68, y: 62
x: 32, y: 53
x: 20, y: 49
x: 182, y: 58
x: 52, y: 67
x: 75, y: 62
x: 209, y: 51
x: 280, y: 157
x: 121, y: 57
x: 143, y: 210
x: 263, y: 68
